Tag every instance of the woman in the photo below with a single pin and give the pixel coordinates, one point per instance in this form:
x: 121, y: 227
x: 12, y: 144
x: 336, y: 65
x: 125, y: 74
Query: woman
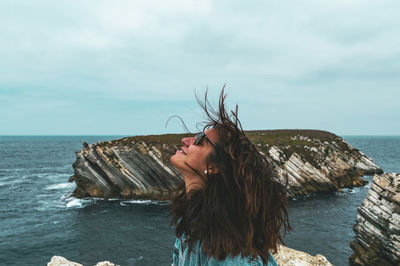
x: 230, y: 208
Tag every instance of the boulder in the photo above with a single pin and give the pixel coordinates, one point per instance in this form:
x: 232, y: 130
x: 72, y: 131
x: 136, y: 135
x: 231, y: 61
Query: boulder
x: 291, y: 257
x: 61, y: 261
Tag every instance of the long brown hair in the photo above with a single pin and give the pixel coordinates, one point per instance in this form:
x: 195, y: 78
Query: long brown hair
x: 240, y: 210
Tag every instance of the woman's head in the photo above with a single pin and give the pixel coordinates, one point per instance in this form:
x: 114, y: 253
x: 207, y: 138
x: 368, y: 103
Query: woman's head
x: 193, y: 159
x: 237, y: 208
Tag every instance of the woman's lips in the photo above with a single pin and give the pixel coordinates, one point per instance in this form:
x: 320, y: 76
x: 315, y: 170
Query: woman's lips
x: 181, y: 150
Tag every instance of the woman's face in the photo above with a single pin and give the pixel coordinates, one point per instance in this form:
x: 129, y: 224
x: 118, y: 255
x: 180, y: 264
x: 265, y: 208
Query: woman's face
x: 195, y: 156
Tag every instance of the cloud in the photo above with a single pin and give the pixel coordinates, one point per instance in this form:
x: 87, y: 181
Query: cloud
x: 270, y: 54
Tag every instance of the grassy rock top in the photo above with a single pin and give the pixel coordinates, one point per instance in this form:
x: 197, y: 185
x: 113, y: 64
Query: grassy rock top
x: 278, y: 137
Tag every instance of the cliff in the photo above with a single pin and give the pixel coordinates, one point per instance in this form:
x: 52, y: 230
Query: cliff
x: 377, y: 228
x: 139, y: 167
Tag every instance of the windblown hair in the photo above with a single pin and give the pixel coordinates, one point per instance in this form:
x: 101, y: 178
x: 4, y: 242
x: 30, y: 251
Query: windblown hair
x: 240, y: 210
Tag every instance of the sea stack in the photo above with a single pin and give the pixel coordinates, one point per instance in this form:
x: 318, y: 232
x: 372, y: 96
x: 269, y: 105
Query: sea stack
x: 377, y: 240
x: 138, y: 167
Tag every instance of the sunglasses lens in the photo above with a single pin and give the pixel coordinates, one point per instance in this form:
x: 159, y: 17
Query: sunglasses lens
x: 199, y: 138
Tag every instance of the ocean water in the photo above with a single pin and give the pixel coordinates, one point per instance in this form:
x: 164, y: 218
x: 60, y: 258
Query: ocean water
x: 38, y: 218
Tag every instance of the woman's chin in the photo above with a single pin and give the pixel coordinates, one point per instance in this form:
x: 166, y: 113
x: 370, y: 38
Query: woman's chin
x: 174, y: 159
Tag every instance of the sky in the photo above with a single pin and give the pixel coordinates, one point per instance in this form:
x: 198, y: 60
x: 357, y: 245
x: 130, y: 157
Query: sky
x: 124, y: 67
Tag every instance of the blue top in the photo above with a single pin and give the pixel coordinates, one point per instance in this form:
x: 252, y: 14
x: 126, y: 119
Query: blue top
x: 181, y: 257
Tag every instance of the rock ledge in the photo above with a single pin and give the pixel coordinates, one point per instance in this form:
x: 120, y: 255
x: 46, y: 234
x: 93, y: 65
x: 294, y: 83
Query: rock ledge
x: 284, y: 256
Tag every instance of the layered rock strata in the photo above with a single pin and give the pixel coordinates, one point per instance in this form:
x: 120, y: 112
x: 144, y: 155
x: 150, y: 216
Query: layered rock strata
x: 139, y: 167
x: 377, y: 228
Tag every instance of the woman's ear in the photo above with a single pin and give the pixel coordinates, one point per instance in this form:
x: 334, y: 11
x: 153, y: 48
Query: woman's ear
x: 212, y: 170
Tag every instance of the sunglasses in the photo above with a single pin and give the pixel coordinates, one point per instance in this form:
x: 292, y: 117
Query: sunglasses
x: 199, y: 138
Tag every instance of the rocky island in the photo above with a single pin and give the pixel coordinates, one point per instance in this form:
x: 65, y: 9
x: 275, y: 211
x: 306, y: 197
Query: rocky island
x: 377, y: 228
x: 139, y: 168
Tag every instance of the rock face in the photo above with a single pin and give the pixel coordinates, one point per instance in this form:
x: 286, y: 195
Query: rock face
x: 125, y: 168
x: 139, y: 167
x: 377, y: 240
x: 291, y: 257
x: 284, y: 256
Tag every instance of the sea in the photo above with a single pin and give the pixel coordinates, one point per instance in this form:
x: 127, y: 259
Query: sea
x: 39, y: 218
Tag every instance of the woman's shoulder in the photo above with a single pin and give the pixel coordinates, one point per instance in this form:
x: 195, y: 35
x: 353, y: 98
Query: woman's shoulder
x: 247, y: 261
x: 197, y: 257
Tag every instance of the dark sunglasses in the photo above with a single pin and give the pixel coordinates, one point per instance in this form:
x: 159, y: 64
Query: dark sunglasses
x: 200, y: 137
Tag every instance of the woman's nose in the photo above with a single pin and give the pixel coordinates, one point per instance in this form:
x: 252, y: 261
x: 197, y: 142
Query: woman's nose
x: 187, y: 141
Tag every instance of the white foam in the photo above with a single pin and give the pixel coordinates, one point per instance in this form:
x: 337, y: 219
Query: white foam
x: 146, y: 202
x: 47, y: 202
x: 347, y: 190
x: 110, y: 199
x: 75, y: 203
x: 60, y: 186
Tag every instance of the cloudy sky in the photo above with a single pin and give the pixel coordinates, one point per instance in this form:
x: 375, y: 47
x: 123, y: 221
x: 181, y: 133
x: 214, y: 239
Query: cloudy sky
x: 124, y: 67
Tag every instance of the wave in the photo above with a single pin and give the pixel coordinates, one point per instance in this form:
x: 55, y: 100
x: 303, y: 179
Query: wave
x: 134, y: 260
x: 75, y: 203
x: 67, y: 201
x: 348, y: 191
x: 51, y: 175
x: 13, y: 169
x: 10, y: 180
x: 64, y: 167
x: 49, y: 205
x: 47, y: 202
x: 145, y: 202
x: 15, y: 179
x: 60, y: 186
